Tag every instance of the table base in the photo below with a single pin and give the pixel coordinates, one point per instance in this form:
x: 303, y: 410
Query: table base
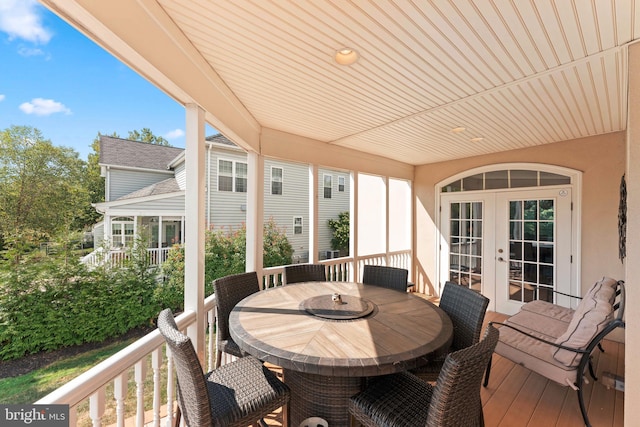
x: 320, y: 396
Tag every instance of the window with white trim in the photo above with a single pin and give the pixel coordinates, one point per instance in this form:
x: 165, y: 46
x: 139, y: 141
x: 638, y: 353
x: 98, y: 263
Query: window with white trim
x: 341, y: 184
x: 232, y: 176
x: 327, y: 181
x: 276, y: 181
x: 297, y: 225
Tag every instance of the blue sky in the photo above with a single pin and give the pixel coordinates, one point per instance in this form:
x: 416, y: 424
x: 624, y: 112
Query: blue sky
x: 55, y: 79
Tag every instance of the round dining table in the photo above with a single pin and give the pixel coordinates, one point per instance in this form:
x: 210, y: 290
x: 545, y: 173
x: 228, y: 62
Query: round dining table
x: 329, y: 337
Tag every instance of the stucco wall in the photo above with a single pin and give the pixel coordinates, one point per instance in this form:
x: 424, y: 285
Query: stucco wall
x: 602, y: 161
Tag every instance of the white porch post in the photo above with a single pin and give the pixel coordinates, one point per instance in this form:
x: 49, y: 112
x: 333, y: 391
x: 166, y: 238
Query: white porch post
x: 387, y: 259
x: 255, y: 212
x: 194, y: 228
x: 353, y: 227
x: 632, y: 267
x: 313, y: 214
x: 160, y: 232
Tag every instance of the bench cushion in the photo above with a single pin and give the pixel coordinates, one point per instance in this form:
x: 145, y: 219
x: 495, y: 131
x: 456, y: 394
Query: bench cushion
x: 590, y: 318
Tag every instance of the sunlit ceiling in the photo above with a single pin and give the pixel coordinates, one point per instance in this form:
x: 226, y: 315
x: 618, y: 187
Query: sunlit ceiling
x: 513, y: 74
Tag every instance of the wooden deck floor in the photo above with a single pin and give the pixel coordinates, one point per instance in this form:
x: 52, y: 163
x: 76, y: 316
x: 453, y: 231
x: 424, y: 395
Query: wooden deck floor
x: 517, y: 397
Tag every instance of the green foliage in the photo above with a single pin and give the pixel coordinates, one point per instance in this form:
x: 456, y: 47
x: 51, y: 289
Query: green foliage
x: 56, y: 302
x: 340, y: 229
x: 225, y: 254
x: 41, y: 191
x: 145, y: 135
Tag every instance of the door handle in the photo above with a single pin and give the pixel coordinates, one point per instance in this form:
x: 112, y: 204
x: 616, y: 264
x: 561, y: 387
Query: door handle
x: 501, y: 259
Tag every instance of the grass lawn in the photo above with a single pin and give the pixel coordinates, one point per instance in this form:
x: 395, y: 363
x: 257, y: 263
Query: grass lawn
x: 31, y: 387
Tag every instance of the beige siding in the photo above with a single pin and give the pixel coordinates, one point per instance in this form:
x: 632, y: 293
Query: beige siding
x: 602, y: 161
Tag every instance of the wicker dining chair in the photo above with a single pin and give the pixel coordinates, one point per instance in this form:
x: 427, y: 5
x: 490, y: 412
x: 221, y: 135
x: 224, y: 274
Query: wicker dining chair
x: 388, y: 277
x: 466, y: 308
x: 229, y: 291
x: 297, y: 273
x: 405, y: 400
x: 240, y: 393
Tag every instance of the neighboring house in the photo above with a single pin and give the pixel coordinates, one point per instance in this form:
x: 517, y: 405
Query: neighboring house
x: 145, y: 194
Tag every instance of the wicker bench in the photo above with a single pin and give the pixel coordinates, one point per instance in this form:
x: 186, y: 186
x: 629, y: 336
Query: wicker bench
x: 557, y: 342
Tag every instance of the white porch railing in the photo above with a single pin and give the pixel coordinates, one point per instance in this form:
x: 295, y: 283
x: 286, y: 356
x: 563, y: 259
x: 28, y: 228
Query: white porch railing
x: 117, y: 257
x: 143, y: 363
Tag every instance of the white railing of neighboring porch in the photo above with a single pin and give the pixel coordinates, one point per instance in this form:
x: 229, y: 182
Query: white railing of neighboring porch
x: 117, y: 257
x: 111, y: 377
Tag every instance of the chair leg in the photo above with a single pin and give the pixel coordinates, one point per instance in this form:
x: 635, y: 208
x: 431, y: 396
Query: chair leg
x: 600, y: 347
x: 487, y: 372
x: 591, y: 371
x: 218, y: 359
x: 583, y: 410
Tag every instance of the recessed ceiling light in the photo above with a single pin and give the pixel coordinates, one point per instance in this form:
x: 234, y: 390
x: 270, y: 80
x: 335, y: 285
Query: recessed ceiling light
x: 346, y: 56
x: 458, y: 129
x: 476, y: 139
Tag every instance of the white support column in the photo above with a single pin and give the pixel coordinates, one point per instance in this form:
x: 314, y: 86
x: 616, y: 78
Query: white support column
x: 194, y: 227
x: 386, y: 222
x: 160, y: 232
x: 632, y: 266
x: 314, y: 247
x: 255, y: 212
x: 353, y: 227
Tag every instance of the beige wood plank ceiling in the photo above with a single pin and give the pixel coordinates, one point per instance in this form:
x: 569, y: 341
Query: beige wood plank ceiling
x: 516, y: 73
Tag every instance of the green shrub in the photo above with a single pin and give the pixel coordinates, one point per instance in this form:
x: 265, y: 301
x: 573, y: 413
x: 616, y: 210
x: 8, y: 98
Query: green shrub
x: 225, y: 254
x: 57, y: 302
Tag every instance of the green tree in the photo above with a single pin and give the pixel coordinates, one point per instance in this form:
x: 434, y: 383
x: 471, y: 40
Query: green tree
x: 145, y: 135
x: 41, y: 190
x: 340, y: 229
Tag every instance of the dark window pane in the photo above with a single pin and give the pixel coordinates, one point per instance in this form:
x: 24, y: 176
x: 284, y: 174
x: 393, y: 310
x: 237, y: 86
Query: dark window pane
x: 546, y: 275
x: 465, y: 228
x: 276, y: 187
x: 452, y: 187
x: 327, y: 192
x: 547, y: 178
x: 464, y: 263
x: 546, y: 210
x: 515, y: 250
x: 515, y: 291
x: 454, y: 262
x: 515, y: 270
x: 471, y: 183
x: 515, y: 230
x: 455, y: 210
x: 546, y: 231
x: 545, y: 294
x: 530, y: 230
x: 241, y: 185
x: 496, y: 179
x: 476, y: 248
x: 515, y: 210
x: 523, y: 178
x: 476, y: 228
x: 476, y: 282
x: 529, y: 293
x: 477, y: 210
x: 455, y: 228
x: 531, y: 209
x: 530, y: 273
x: 475, y: 264
x: 546, y: 253
x: 225, y: 183
x: 530, y: 252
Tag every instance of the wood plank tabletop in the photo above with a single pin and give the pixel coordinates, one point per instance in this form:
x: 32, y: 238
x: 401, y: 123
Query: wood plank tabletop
x: 274, y: 326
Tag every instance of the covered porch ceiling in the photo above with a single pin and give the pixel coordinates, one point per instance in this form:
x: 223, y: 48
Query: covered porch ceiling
x: 516, y: 74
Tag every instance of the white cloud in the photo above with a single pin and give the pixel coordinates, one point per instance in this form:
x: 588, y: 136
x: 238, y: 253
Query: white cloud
x: 177, y: 133
x: 1, y: 97
x: 43, y: 107
x: 21, y: 19
x: 30, y: 51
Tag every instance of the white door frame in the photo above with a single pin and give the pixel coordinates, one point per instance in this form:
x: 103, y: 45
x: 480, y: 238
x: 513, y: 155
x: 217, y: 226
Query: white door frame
x: 576, y: 235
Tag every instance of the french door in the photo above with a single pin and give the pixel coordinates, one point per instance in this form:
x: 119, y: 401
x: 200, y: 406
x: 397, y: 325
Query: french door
x: 512, y: 246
